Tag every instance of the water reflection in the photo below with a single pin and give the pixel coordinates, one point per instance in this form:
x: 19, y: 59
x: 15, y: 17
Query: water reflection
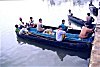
x: 60, y: 52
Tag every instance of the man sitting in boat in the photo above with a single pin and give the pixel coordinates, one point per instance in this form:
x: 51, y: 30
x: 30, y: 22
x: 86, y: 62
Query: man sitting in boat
x: 63, y: 26
x: 70, y: 13
x: 89, y: 20
x: 85, y: 32
x: 20, y: 19
x: 93, y: 9
x: 60, y: 34
x: 21, y: 23
x: 39, y: 26
x: 70, y: 27
x: 27, y: 25
x: 31, y: 22
x: 17, y: 29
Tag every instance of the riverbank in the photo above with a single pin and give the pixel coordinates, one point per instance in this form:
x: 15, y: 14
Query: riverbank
x: 95, y: 53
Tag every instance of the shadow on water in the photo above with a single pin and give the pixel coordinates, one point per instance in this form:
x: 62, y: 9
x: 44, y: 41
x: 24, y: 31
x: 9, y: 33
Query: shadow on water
x: 60, y: 52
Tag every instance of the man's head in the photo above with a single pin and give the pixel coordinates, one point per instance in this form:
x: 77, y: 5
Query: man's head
x: 63, y: 21
x: 88, y: 14
x: 20, y: 19
x: 40, y: 20
x: 16, y: 26
x: 69, y: 10
x: 31, y: 18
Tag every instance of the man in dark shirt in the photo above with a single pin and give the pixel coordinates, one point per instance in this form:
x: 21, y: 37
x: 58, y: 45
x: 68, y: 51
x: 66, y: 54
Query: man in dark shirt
x: 89, y: 20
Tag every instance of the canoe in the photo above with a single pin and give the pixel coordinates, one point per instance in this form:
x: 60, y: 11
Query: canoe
x: 72, y: 41
x: 93, y: 10
x: 77, y: 21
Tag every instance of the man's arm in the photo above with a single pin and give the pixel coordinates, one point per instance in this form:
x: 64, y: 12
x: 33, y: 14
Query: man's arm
x: 89, y: 30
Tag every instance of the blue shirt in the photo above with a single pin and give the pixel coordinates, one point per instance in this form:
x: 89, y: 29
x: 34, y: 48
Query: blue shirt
x: 63, y: 26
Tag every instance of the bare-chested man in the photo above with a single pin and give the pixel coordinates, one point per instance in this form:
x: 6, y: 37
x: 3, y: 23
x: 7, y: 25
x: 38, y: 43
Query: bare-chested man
x: 85, y: 31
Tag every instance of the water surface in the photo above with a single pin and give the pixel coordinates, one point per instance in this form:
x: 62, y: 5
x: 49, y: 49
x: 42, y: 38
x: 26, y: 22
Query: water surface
x: 16, y: 52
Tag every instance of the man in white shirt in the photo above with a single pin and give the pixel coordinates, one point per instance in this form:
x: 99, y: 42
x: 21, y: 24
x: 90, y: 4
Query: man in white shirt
x: 70, y: 13
x: 59, y: 34
x: 39, y: 26
x: 31, y: 22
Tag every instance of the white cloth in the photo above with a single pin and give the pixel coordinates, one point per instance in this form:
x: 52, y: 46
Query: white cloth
x: 59, y: 35
x: 22, y: 24
x: 39, y: 27
x: 69, y: 14
x: 48, y: 31
x: 23, y: 30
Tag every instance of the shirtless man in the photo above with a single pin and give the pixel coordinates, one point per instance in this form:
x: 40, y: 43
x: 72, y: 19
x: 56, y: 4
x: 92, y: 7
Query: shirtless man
x: 85, y: 31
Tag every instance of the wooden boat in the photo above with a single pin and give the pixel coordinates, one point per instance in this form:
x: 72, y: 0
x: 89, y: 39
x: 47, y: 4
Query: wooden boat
x: 69, y: 43
x: 77, y: 21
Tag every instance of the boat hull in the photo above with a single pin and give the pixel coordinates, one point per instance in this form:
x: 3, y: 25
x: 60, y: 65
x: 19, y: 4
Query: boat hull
x: 72, y: 45
x: 78, y: 21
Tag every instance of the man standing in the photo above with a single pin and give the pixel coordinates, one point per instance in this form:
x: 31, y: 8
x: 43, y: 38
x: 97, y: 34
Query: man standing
x: 89, y: 20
